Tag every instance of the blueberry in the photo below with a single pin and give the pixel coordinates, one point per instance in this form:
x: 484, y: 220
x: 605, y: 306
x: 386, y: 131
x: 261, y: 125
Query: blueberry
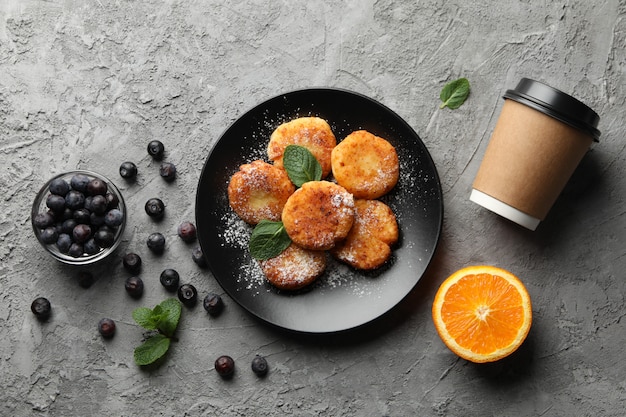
x: 81, y: 233
x: 96, y: 220
x: 56, y: 203
x: 170, y: 279
x: 82, y: 216
x: 155, y: 208
x: 79, y: 182
x: 132, y: 263
x: 59, y: 186
x: 43, y: 220
x: 105, y: 237
x: 156, y: 242
x: 67, y: 213
x: 213, y: 304
x: 156, y: 149
x: 134, y: 286
x: 106, y: 327
x: 113, y: 218
x: 64, y: 241
x: 168, y: 171
x: 91, y: 247
x: 225, y: 366
x: 76, y: 250
x: 68, y: 226
x: 112, y: 200
x: 187, y: 231
x: 198, y: 257
x: 97, y: 187
x: 98, y: 204
x: 74, y: 199
x: 85, y: 279
x: 49, y: 235
x: 128, y: 170
x: 259, y: 365
x: 41, y: 308
x: 188, y: 295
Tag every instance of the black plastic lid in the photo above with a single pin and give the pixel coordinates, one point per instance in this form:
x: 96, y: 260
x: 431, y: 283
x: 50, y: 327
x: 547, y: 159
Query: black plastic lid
x: 556, y: 104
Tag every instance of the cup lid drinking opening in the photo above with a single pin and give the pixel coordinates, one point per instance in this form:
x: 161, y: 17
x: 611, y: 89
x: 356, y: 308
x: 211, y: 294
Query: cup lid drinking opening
x: 557, y: 104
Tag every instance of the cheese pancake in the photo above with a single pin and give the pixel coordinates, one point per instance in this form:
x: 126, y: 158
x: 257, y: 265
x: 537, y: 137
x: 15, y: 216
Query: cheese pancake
x: 259, y: 191
x: 318, y: 215
x: 366, y: 165
x: 375, y: 230
x: 312, y: 133
x: 294, y: 268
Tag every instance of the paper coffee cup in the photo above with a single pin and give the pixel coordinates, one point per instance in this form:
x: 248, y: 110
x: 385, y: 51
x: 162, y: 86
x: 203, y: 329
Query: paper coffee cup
x: 539, y: 139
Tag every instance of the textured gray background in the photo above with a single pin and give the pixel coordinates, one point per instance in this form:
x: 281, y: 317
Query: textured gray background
x: 87, y: 83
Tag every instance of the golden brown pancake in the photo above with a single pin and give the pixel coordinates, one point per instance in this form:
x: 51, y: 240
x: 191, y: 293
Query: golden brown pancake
x: 259, y: 191
x: 318, y: 215
x: 366, y: 165
x: 294, y: 268
x: 312, y: 133
x: 368, y: 244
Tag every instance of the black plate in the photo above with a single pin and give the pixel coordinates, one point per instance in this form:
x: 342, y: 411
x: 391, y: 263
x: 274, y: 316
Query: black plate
x: 342, y: 298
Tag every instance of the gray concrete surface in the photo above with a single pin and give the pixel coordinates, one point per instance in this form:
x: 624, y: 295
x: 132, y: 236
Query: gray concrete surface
x: 87, y: 83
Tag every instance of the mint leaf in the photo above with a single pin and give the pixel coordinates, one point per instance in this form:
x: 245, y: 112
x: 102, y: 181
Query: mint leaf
x: 144, y: 317
x: 454, y: 93
x: 169, y: 317
x: 268, y: 240
x: 152, y: 349
x: 301, y: 165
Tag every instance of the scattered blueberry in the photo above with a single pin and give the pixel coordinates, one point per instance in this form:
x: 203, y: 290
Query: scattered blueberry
x: 213, y: 304
x: 134, y: 286
x: 85, y: 279
x: 156, y: 242
x: 59, y: 186
x: 128, y: 170
x: 225, y: 366
x: 132, y: 262
x: 49, y: 235
x: 187, y: 231
x: 74, y: 199
x: 156, y: 149
x: 188, y: 295
x: 259, y: 365
x: 56, y: 203
x: 79, y: 182
x: 198, y: 257
x: 168, y: 171
x: 97, y: 187
x: 155, y: 208
x: 43, y: 220
x: 113, y: 218
x: 81, y: 233
x: 106, y: 327
x: 41, y: 308
x: 170, y: 279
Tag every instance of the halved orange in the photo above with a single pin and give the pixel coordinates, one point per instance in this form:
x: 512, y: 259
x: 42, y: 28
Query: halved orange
x: 482, y: 313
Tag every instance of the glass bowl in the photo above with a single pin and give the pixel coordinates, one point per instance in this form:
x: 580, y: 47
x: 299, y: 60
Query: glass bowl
x: 56, y: 213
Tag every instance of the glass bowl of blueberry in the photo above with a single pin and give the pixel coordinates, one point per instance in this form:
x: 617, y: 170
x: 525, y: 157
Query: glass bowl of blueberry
x: 79, y: 217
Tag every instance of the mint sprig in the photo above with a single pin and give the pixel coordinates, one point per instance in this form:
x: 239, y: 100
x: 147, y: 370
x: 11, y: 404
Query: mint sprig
x: 163, y: 320
x: 454, y: 93
x: 268, y: 239
x: 301, y: 165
